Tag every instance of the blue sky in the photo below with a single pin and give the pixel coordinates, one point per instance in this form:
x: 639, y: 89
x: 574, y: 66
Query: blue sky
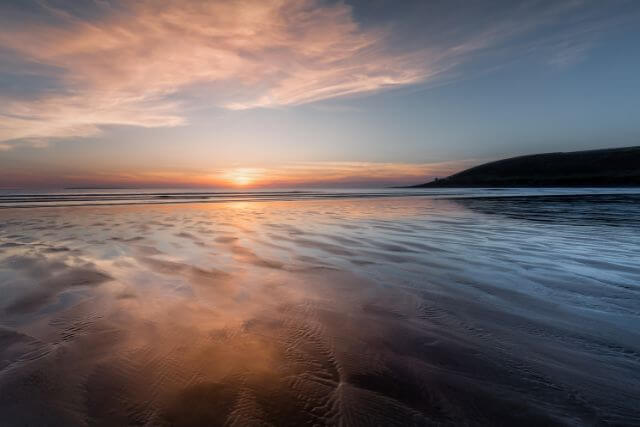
x: 281, y: 93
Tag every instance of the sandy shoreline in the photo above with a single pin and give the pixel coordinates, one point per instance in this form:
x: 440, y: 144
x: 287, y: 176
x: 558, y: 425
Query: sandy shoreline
x: 334, y: 311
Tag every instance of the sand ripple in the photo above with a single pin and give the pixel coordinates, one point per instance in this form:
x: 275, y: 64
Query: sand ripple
x: 388, y: 311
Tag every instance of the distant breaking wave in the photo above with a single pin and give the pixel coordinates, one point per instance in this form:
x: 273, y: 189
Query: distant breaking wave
x: 83, y: 197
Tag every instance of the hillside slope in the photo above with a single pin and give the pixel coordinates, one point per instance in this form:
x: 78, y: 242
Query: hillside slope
x: 593, y: 168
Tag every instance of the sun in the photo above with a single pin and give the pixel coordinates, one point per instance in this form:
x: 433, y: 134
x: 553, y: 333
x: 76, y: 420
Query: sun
x: 241, y: 180
x: 241, y: 177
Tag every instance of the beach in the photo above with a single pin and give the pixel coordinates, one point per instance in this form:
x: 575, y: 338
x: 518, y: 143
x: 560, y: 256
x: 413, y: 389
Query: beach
x: 518, y: 308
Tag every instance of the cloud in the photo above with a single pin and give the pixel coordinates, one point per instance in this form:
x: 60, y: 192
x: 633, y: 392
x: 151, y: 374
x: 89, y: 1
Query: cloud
x: 301, y: 174
x: 124, y: 68
x: 568, y: 54
x: 81, y: 115
x: 134, y: 64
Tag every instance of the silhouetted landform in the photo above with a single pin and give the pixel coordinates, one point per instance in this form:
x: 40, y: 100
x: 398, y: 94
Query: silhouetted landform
x: 593, y: 168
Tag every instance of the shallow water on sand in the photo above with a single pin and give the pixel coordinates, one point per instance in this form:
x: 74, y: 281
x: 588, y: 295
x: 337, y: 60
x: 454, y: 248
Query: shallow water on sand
x: 380, y: 311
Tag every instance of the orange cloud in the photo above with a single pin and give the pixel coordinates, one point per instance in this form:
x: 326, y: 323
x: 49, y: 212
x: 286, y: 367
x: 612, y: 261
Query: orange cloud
x: 123, y: 69
x: 139, y: 62
x: 304, y: 174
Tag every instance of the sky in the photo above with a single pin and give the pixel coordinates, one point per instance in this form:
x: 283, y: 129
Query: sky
x: 306, y: 93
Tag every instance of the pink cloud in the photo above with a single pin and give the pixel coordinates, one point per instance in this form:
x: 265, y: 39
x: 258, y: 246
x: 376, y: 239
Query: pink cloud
x: 121, y: 69
x: 131, y: 66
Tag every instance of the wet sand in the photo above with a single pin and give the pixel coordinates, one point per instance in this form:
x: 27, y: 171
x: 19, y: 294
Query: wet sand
x: 388, y: 311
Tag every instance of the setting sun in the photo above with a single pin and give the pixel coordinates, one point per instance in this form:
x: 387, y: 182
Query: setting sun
x: 242, y: 177
x: 241, y: 180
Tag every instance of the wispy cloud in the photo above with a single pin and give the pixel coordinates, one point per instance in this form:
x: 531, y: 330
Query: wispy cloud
x: 303, y: 174
x: 124, y: 68
x: 567, y: 54
x: 130, y: 65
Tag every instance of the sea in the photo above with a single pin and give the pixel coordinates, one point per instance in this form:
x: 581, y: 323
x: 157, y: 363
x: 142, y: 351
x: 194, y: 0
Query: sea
x: 320, y: 307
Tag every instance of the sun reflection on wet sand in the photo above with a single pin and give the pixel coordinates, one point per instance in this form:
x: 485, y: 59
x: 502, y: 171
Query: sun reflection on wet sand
x: 395, y: 311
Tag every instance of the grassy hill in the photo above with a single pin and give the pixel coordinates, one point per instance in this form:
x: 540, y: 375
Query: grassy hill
x: 593, y: 168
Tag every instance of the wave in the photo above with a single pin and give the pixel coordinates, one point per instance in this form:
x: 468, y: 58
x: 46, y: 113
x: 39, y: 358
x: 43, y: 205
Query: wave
x: 81, y: 197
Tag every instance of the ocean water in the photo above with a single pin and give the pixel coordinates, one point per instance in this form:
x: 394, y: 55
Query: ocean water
x: 320, y: 307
